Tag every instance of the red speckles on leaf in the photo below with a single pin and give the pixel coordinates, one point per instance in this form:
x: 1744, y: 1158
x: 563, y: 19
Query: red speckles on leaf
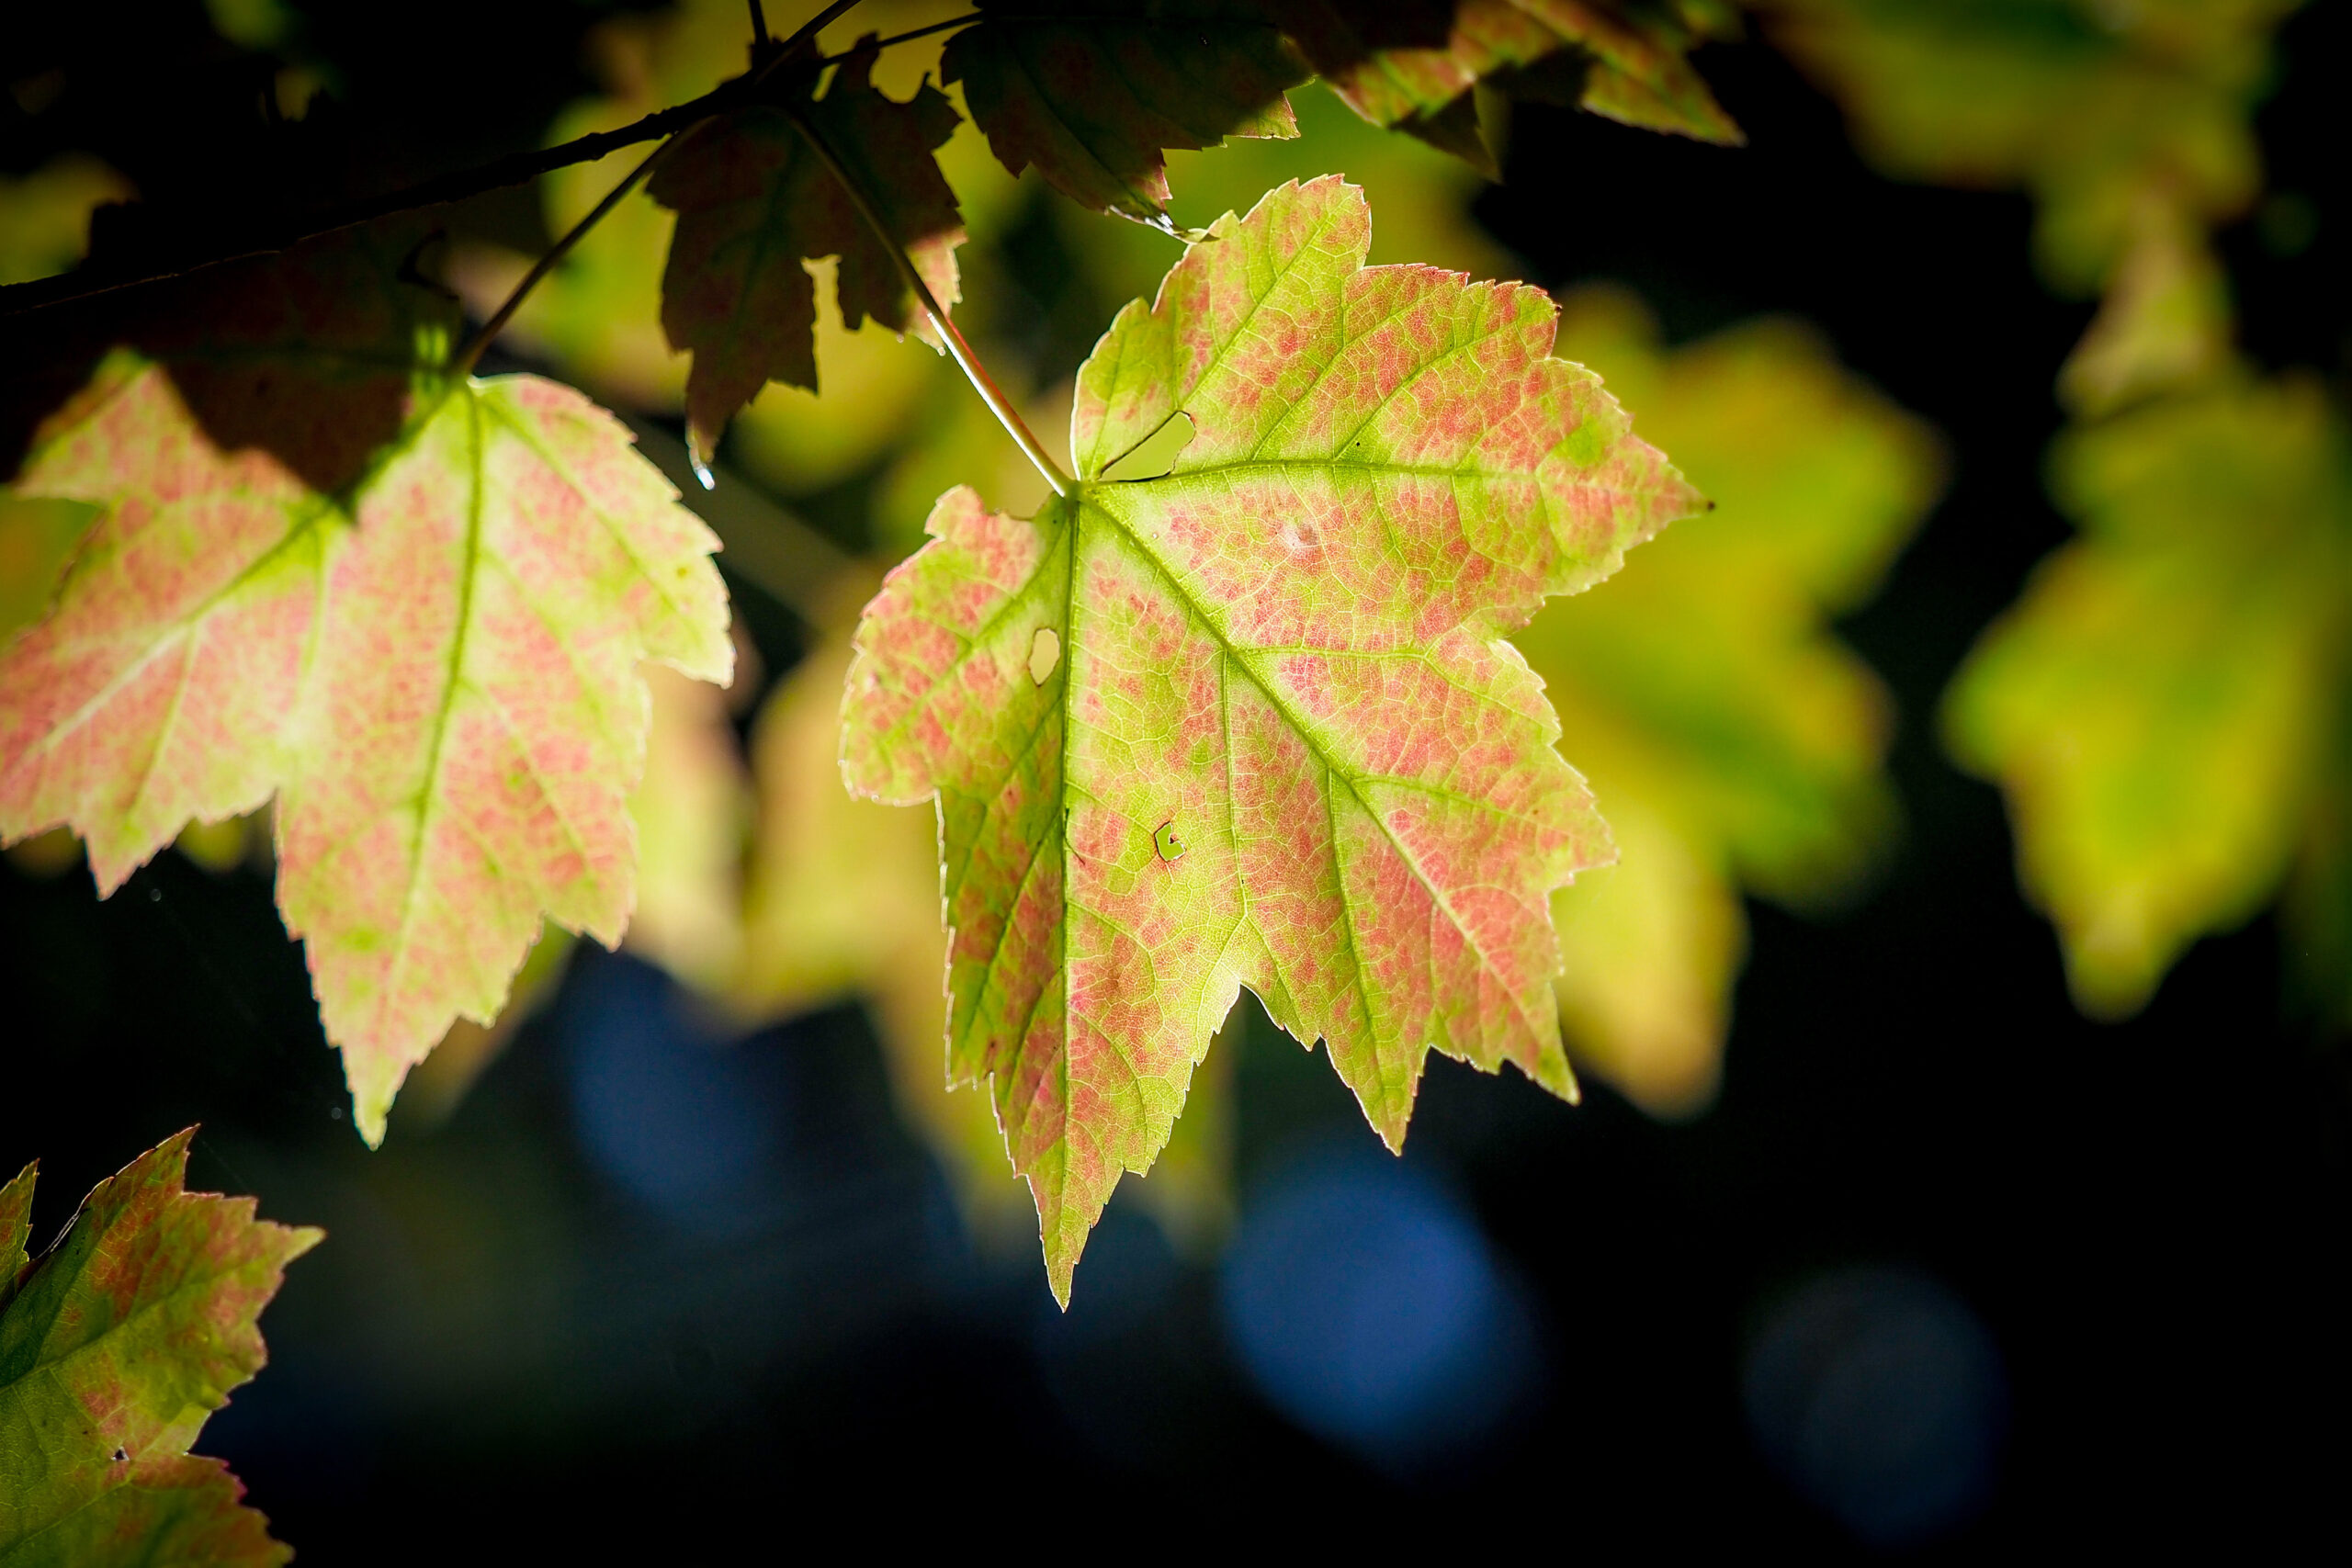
x: 117, y: 1344
x: 1279, y: 659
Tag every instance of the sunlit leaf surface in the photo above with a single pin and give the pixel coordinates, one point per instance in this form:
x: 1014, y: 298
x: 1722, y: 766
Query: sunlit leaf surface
x: 2165, y: 708
x: 115, y: 1345
x: 1094, y: 92
x: 1254, y: 722
x: 843, y: 902
x: 1733, y: 744
x: 431, y: 660
x: 756, y: 202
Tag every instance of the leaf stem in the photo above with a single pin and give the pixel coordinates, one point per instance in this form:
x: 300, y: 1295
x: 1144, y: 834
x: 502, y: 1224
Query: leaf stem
x: 808, y: 30
x: 464, y: 362
x: 766, y: 56
x: 959, y: 348
x: 909, y: 36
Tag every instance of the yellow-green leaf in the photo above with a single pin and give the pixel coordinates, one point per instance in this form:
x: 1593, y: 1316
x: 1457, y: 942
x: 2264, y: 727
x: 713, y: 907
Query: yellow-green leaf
x: 2165, y: 706
x: 432, y: 661
x: 1733, y: 744
x: 116, y: 1345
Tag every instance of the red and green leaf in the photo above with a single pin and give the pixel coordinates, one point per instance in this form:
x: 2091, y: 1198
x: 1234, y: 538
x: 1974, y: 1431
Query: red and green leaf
x: 756, y: 202
x: 434, y: 666
x: 115, y: 1348
x: 1095, y: 93
x: 1411, y: 66
x: 1255, y: 722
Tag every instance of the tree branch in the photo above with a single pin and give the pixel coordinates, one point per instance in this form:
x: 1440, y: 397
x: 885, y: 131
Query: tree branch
x: 518, y: 168
x: 464, y: 362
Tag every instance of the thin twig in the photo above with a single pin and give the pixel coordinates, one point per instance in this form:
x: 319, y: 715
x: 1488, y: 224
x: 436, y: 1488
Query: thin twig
x: 518, y: 168
x: 966, y: 359
x: 471, y: 352
x: 759, y: 23
x: 909, y: 36
x: 464, y: 362
x: 514, y: 169
x: 809, y: 30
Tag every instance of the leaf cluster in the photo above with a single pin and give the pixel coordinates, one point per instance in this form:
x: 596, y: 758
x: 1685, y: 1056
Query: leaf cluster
x: 2164, y: 706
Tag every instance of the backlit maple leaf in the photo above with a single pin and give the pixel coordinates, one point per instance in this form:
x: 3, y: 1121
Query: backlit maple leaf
x: 432, y: 663
x: 1254, y: 722
x: 116, y: 1345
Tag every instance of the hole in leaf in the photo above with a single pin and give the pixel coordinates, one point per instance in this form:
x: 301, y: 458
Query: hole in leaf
x: 1044, y: 653
x: 1156, y: 453
x: 1167, y: 841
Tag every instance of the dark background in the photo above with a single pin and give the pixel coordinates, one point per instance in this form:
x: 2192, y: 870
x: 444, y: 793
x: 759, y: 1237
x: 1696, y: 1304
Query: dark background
x: 501, y: 1350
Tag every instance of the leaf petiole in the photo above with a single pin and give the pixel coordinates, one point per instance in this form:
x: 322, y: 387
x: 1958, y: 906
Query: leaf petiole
x: 913, y: 33
x: 958, y: 349
x: 463, y: 364
x: 471, y: 351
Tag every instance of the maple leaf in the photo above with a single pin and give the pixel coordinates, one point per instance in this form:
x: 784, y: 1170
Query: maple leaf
x: 756, y: 202
x: 1093, y: 94
x: 116, y: 1345
x: 1254, y: 721
x: 1412, y: 66
x: 2165, y: 706
x: 1732, y: 741
x: 843, y: 901
x: 433, y: 664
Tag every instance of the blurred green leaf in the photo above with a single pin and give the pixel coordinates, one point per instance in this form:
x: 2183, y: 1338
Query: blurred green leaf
x: 45, y: 216
x: 2165, y: 708
x: 2095, y: 107
x: 1731, y: 742
x: 115, y: 1345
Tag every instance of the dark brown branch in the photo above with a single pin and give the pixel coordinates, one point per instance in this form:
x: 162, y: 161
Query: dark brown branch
x: 90, y: 281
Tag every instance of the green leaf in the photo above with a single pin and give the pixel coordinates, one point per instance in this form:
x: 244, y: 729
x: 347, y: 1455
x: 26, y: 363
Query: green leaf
x: 36, y: 538
x: 2165, y: 706
x: 756, y: 202
x: 115, y: 1348
x: 1255, y: 722
x: 432, y: 663
x: 49, y: 214
x: 2097, y: 109
x: 1734, y: 743
x: 1411, y: 65
x: 1093, y: 94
